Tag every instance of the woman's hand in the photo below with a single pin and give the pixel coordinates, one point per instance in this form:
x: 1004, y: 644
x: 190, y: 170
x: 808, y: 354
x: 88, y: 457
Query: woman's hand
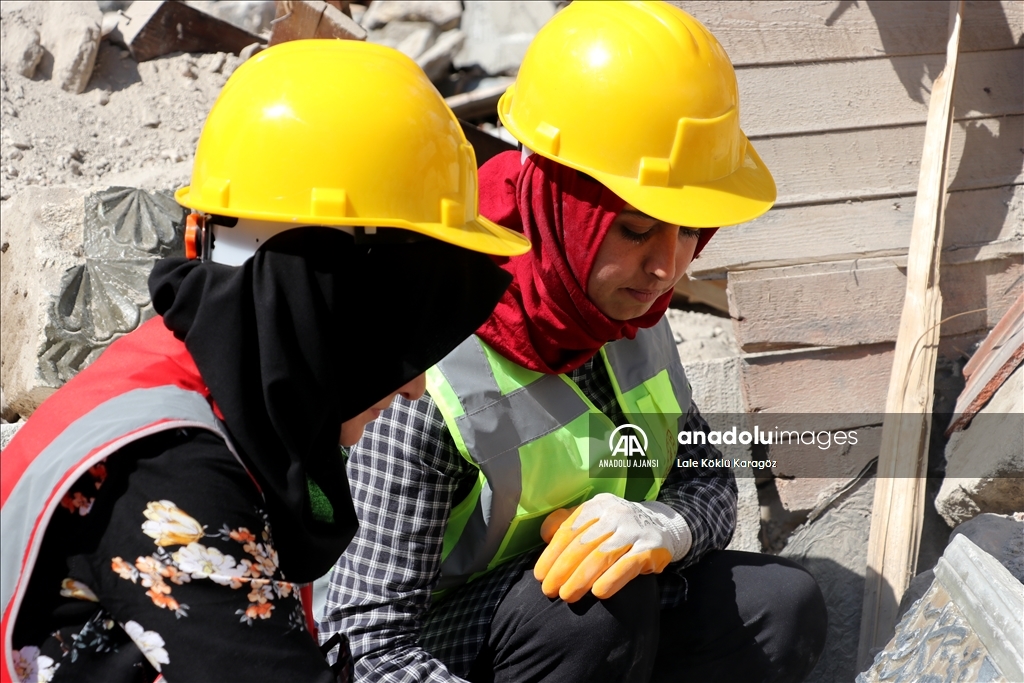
x: 607, y: 542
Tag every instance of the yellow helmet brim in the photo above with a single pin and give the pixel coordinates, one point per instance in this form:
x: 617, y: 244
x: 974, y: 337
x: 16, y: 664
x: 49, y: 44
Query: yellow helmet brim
x: 742, y: 196
x: 477, y: 235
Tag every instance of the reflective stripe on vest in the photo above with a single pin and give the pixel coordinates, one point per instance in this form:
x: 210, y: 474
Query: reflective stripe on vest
x: 90, y: 439
x: 144, y: 383
x: 515, y: 425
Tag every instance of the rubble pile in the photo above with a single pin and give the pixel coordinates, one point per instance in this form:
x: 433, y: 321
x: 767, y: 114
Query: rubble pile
x: 80, y: 110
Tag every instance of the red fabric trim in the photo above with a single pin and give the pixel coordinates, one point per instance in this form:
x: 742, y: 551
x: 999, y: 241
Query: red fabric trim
x: 306, y: 598
x: 148, y: 357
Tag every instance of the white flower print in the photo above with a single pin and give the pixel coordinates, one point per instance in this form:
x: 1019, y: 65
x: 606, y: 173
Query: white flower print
x: 47, y: 668
x: 169, y: 525
x: 32, y: 667
x: 208, y: 563
x: 149, y: 642
x: 26, y: 663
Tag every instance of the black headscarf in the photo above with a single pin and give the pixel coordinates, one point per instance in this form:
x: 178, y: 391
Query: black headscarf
x: 310, y: 332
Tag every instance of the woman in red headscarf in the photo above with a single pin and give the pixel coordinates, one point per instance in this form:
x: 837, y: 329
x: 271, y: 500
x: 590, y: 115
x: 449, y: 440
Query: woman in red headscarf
x: 448, y: 575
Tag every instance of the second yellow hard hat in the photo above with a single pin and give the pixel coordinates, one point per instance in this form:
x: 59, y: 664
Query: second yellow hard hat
x: 643, y: 98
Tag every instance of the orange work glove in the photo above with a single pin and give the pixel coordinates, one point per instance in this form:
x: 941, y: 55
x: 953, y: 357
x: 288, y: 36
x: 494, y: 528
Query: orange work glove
x: 607, y: 542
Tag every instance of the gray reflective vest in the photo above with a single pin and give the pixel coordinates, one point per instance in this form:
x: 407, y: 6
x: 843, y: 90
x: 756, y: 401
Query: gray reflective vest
x: 540, y: 444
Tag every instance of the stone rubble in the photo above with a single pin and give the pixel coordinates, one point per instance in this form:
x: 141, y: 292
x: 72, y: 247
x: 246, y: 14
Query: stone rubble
x: 444, y: 14
x: 985, y: 462
x: 71, y: 33
x: 74, y: 273
x: 968, y: 626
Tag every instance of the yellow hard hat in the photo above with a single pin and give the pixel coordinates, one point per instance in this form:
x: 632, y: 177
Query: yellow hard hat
x: 341, y: 133
x: 643, y: 98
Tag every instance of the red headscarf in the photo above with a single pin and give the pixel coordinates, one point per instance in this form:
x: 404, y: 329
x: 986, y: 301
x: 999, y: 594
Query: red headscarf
x: 545, y: 322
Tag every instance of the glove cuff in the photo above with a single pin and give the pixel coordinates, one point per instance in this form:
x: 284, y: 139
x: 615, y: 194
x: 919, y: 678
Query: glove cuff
x: 675, y: 526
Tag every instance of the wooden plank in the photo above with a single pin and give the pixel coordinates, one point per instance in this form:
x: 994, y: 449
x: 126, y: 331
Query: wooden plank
x: 863, y: 164
x: 795, y: 99
x: 1003, y: 330
x: 981, y: 224
x: 800, y: 31
x: 990, y: 366
x: 1001, y: 364
x: 840, y: 382
x: 303, y: 19
x: 806, y: 473
x: 897, y: 514
x: 840, y: 385
x: 844, y: 303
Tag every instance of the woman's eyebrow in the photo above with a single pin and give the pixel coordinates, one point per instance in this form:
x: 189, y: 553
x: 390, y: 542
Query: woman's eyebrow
x: 637, y: 215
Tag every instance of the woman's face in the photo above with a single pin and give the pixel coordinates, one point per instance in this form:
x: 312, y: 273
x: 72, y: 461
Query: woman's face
x: 640, y: 259
x: 352, y: 429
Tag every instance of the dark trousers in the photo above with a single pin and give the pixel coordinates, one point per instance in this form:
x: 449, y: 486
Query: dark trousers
x: 745, y: 617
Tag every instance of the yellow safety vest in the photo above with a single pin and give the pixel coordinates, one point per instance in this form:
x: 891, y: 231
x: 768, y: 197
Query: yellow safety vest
x: 539, y: 444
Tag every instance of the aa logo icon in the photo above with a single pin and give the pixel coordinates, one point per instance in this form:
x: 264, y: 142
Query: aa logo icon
x: 627, y: 443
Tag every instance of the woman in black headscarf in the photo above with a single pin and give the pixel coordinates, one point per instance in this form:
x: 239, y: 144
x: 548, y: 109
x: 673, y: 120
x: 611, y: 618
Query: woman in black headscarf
x: 182, y: 490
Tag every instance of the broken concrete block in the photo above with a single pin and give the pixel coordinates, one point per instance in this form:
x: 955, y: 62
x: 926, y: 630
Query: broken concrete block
x: 834, y: 549
x: 300, y: 19
x: 41, y: 233
x: 21, y: 49
x: 498, y: 33
x: 985, y: 462
x: 7, y: 432
x: 444, y: 14
x: 969, y: 626
x: 411, y: 38
x: 1001, y: 536
x: 253, y: 16
x: 74, y: 278
x: 436, y: 60
x: 71, y: 32
x: 152, y: 28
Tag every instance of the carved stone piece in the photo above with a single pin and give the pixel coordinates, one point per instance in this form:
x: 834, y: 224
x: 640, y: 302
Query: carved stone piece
x: 969, y: 626
x: 87, y: 289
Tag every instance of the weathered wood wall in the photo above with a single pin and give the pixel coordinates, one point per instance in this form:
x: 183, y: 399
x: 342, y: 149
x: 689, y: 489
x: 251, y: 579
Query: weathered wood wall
x: 834, y: 96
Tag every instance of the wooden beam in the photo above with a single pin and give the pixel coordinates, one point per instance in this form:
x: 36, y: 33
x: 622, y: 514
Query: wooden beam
x: 898, y: 508
x: 981, y: 225
x: 793, y: 31
x: 798, y: 98
x: 883, y: 162
x: 990, y: 366
x: 846, y: 303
